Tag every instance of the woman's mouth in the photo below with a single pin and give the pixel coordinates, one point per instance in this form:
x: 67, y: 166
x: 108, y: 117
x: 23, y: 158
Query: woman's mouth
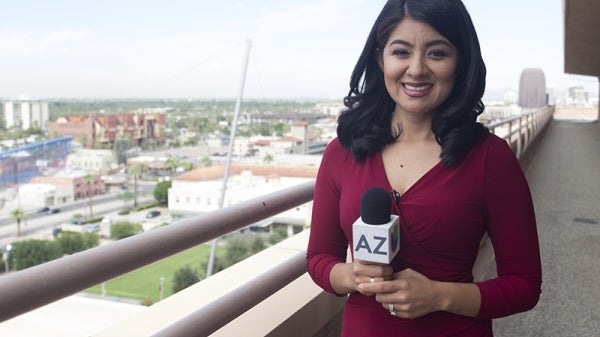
x: 416, y: 89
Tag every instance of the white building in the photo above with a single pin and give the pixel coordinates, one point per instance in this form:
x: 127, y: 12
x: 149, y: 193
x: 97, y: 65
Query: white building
x: 25, y: 114
x: 199, y: 191
x: 92, y: 160
x: 331, y: 109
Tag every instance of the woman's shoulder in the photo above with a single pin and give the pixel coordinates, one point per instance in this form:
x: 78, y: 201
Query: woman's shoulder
x: 335, y: 148
x: 490, y: 140
x: 492, y: 149
x: 336, y: 154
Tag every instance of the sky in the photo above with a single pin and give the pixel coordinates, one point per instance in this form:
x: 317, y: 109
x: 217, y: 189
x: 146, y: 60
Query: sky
x: 299, y: 49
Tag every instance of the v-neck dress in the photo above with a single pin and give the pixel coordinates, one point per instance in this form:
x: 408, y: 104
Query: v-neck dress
x: 443, y: 217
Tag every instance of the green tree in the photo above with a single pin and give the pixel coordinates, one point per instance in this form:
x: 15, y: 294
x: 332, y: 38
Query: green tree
x: 120, y: 147
x: 237, y: 249
x: 30, y: 253
x: 161, y: 192
x: 124, y: 229
x: 206, y: 162
x: 18, y: 215
x: 71, y: 243
x: 279, y: 234
x: 126, y: 196
x: 184, y: 277
x: 258, y: 244
x: 172, y: 163
x: 268, y: 158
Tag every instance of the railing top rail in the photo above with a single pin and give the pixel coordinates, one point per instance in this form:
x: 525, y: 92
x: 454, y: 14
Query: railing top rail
x: 514, y: 118
x: 36, y: 286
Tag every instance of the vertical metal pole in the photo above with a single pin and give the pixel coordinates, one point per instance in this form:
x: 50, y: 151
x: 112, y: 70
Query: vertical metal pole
x: 238, y: 103
x: 162, y: 286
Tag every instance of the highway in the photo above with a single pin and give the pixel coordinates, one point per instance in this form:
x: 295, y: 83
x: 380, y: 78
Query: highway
x: 40, y: 225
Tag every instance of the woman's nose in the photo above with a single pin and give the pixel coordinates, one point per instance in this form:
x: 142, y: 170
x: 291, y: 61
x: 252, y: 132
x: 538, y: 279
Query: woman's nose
x: 416, y: 66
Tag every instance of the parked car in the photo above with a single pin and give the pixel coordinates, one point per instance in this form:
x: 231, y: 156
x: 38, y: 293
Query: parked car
x: 152, y: 214
x: 53, y: 211
x: 43, y: 210
x: 91, y: 228
x: 106, y: 219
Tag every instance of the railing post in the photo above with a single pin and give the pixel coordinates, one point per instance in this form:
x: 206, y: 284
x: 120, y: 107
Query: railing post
x: 519, y: 137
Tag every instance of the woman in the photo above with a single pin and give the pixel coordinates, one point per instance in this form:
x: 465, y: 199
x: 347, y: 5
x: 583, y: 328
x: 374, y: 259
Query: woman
x: 410, y: 128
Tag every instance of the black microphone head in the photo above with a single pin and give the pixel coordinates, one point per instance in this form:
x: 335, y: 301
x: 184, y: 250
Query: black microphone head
x: 375, y: 206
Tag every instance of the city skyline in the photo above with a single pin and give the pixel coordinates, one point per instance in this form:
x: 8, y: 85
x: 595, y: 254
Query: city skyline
x: 300, y: 50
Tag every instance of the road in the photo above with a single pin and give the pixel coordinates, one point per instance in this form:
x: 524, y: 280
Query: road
x: 40, y: 226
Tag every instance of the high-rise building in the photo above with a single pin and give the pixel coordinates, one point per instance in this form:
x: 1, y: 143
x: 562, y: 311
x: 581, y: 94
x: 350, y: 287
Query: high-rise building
x: 532, y: 89
x: 24, y: 113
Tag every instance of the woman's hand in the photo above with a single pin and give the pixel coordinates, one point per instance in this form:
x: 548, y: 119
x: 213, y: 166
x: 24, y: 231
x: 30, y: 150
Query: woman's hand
x: 346, y: 277
x: 370, y: 272
x: 411, y: 293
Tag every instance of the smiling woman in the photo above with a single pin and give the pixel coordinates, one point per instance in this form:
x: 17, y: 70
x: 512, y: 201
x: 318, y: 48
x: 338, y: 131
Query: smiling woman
x: 410, y: 127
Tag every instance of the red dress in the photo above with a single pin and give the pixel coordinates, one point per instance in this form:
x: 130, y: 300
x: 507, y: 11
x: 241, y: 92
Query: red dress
x: 443, y: 217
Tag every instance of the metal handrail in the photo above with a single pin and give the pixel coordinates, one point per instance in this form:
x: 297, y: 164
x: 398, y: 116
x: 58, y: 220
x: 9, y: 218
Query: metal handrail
x: 36, y: 286
x: 529, y: 125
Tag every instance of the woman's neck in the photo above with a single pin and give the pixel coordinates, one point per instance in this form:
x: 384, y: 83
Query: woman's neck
x: 413, y: 127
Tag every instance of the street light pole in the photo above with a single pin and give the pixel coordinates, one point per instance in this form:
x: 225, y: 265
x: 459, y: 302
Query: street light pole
x: 6, y: 257
x: 162, y: 284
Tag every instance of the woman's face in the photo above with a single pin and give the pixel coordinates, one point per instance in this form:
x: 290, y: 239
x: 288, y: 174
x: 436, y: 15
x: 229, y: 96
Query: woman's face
x: 418, y: 66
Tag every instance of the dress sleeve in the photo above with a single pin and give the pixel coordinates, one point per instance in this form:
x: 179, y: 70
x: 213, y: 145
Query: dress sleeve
x: 327, y: 244
x: 511, y: 226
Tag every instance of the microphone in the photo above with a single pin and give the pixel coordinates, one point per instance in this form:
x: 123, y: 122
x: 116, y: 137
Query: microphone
x: 376, y: 233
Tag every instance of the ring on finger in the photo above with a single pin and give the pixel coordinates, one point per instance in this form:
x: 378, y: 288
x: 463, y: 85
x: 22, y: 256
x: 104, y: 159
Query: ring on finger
x: 391, y: 308
x: 372, y: 279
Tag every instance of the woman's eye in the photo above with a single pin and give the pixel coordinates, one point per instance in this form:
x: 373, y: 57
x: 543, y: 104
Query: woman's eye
x: 400, y: 52
x: 438, y: 53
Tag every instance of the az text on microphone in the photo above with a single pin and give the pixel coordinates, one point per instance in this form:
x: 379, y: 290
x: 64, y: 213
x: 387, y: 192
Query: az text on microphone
x: 376, y: 234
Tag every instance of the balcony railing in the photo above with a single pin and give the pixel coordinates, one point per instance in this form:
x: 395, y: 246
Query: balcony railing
x: 232, y: 300
x: 520, y: 131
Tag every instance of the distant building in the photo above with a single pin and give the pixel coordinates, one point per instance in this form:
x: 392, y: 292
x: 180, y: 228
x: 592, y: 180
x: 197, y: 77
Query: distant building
x: 26, y: 114
x: 104, y: 130
x: 532, y: 89
x: 494, y: 113
x: 199, y: 191
x: 57, y: 190
x: 92, y: 160
x: 577, y: 96
x: 511, y: 97
x: 331, y: 109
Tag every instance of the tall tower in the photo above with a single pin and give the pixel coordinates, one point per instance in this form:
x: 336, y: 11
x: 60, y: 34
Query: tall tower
x: 532, y: 89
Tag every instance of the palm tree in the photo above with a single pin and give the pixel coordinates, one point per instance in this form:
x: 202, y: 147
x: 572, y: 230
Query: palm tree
x: 90, y: 179
x: 135, y: 170
x: 268, y: 158
x: 206, y: 162
x: 172, y: 163
x: 18, y: 215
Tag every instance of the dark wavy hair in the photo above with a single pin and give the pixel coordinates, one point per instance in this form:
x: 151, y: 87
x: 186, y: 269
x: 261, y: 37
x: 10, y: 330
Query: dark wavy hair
x: 366, y: 123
